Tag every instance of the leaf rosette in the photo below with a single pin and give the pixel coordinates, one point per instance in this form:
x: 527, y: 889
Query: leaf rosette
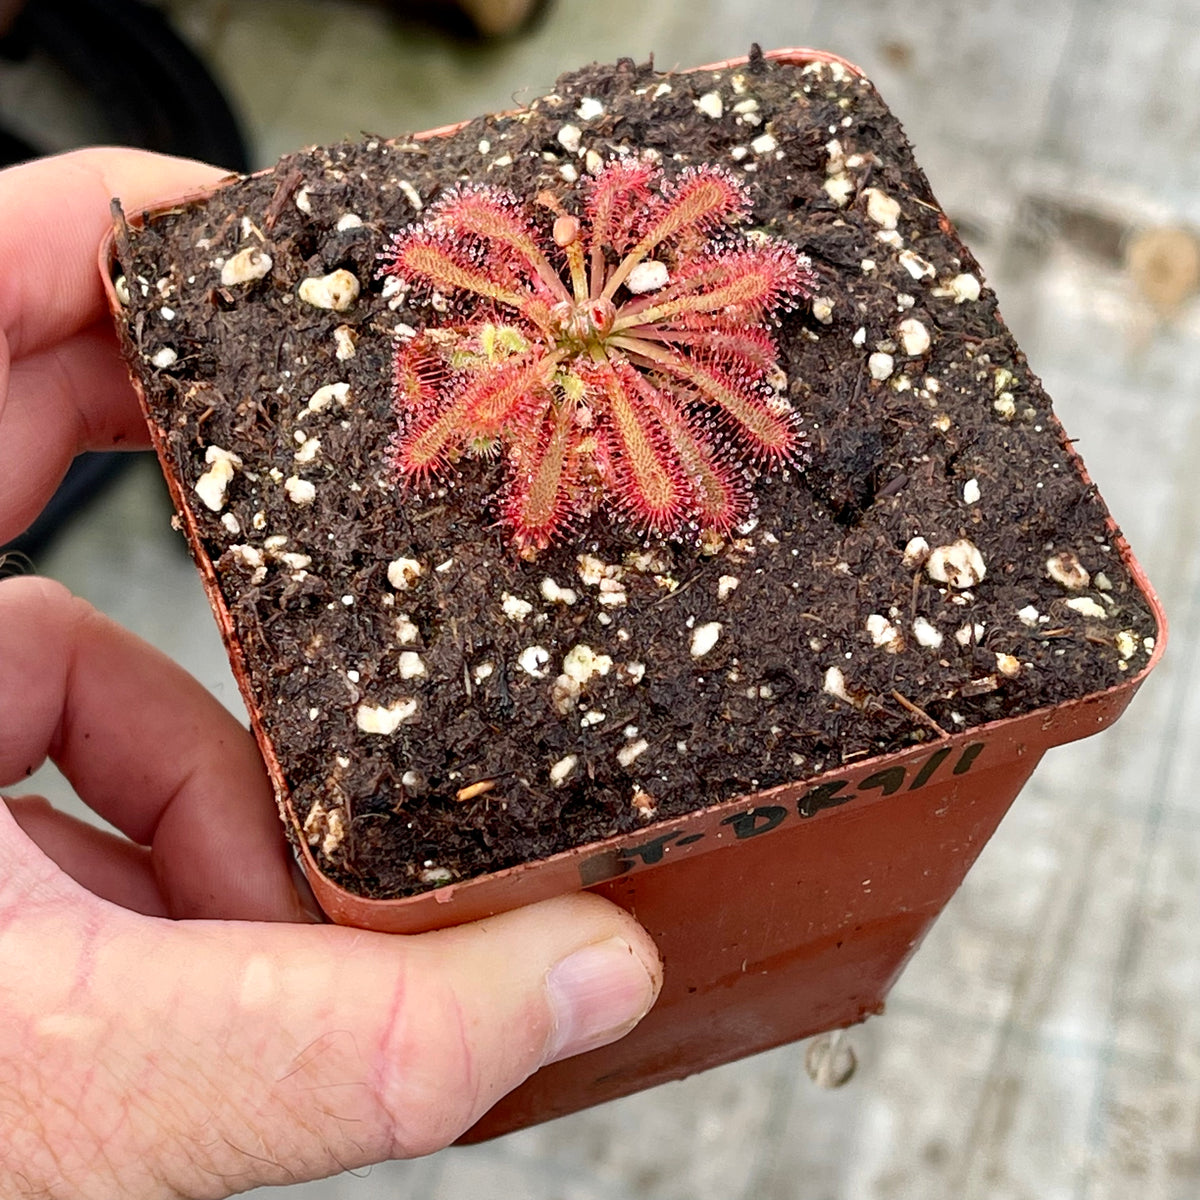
x: 624, y: 357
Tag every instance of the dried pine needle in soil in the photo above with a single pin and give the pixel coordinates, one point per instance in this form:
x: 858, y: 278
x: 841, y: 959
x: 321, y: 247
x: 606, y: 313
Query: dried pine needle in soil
x: 442, y: 706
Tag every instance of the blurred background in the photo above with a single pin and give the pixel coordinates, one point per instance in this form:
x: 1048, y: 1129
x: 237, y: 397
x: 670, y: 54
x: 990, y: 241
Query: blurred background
x: 1045, y: 1042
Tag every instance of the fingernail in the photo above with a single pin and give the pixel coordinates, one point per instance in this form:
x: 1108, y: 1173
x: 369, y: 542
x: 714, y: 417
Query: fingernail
x: 597, y: 995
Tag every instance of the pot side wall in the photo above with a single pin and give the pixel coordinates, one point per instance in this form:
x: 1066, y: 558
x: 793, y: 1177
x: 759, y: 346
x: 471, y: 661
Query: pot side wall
x: 815, y: 922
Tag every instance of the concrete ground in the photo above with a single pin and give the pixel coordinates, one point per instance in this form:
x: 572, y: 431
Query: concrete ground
x: 1045, y: 1041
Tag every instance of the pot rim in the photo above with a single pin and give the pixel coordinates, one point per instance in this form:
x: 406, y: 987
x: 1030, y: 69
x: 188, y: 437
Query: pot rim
x: 1071, y: 719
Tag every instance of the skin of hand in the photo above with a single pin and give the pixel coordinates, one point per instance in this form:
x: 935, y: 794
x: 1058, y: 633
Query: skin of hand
x: 173, y: 1022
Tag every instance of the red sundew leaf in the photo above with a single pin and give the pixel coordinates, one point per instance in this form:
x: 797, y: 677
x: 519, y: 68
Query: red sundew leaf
x: 497, y: 396
x: 685, y: 214
x: 649, y: 479
x: 617, y: 194
x: 421, y: 448
x: 541, y: 496
x: 439, y: 261
x: 418, y: 374
x: 736, y: 285
x: 760, y: 420
x: 696, y: 203
x: 500, y: 219
x: 743, y: 348
x: 720, y: 495
x: 441, y: 409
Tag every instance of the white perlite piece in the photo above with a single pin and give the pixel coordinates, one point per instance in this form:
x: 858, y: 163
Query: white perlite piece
x: 249, y: 556
x: 562, y: 769
x: 764, y: 144
x: 246, y: 266
x: 331, y: 393
x: 344, y: 343
x: 1085, y: 606
x: 915, y: 553
x: 1066, y: 570
x: 514, y: 608
x: 927, y: 634
x: 554, y: 594
x: 881, y: 365
x: 412, y: 195
x: 213, y: 484
x: 1126, y: 643
x: 839, y: 188
x: 582, y: 663
x: 309, y: 449
x: 726, y: 586
x: 411, y: 665
x: 402, y: 573
x: 384, y: 718
x: 882, y: 208
x: 300, y: 492
x: 835, y: 685
x: 569, y: 138
x: 971, y: 492
x: 914, y: 337
x: 1029, y: 616
x: 704, y: 638
x: 711, y: 105
x: 612, y: 593
x: 970, y: 633
x: 589, y: 109
x: 822, y: 309
x: 632, y: 751
x: 164, y: 358
x: 348, y: 221
x: 647, y: 276
x: 884, y: 634
x: 533, y: 659
x: 964, y: 288
x: 593, y: 571
x: 1008, y: 665
x: 336, y: 291
x: 915, y: 265
x: 960, y: 564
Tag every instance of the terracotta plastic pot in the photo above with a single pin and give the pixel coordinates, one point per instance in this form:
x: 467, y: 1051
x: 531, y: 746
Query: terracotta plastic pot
x: 779, y: 915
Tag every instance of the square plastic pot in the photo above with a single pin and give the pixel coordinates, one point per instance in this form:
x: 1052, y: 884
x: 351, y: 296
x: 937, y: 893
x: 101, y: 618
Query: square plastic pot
x: 780, y: 914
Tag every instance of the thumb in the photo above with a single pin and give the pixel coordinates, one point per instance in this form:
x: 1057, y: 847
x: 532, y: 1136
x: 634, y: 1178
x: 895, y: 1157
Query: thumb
x: 248, y: 1054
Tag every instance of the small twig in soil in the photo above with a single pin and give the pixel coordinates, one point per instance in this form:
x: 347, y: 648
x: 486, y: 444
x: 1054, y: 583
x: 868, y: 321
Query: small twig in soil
x: 918, y: 712
x: 683, y: 587
x: 283, y: 193
x: 424, y: 514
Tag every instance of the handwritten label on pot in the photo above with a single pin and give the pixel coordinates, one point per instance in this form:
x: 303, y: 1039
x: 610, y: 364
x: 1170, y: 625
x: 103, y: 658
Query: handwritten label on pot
x: 765, y: 818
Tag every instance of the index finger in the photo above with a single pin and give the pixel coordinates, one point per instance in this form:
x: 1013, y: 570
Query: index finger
x: 54, y: 212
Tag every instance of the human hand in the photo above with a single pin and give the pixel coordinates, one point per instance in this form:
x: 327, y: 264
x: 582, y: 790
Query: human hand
x: 172, y: 1023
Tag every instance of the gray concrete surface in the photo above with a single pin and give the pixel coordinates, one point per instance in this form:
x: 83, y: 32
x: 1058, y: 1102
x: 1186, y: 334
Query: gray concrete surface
x: 1045, y: 1042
